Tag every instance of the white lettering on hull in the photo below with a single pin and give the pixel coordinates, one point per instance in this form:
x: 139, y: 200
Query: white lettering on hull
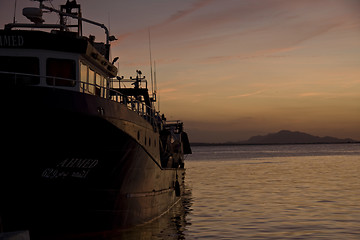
x: 71, y: 168
x: 78, y: 163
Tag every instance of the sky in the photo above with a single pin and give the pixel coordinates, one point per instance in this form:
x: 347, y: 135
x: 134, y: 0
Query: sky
x: 232, y: 69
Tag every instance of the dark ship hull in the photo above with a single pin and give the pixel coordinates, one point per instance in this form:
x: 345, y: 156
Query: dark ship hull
x: 73, y: 164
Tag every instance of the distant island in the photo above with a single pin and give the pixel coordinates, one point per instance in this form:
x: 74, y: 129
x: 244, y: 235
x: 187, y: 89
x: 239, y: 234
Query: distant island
x: 289, y: 137
x: 286, y: 137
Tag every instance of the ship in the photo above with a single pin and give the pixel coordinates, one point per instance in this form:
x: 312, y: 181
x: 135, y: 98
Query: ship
x: 84, y: 150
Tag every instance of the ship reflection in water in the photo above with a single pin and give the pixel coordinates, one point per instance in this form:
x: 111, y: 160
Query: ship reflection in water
x: 171, y: 225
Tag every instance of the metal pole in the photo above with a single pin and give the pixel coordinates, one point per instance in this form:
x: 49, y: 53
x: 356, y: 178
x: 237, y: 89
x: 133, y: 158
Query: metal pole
x: 80, y: 18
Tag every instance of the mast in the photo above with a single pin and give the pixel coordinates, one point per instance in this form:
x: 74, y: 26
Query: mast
x: 68, y: 7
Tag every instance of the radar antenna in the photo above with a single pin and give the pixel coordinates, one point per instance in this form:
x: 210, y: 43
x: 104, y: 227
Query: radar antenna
x: 41, y: 1
x: 35, y: 15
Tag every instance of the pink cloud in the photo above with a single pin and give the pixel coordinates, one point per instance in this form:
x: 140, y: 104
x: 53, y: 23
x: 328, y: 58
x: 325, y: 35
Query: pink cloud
x: 173, y: 18
x: 183, y: 13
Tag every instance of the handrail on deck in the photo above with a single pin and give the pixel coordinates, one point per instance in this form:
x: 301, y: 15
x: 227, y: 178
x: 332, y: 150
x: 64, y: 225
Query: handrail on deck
x: 22, y: 79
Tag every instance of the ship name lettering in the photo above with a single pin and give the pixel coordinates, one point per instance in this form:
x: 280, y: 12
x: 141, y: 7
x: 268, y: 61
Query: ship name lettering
x: 11, y: 41
x: 50, y: 173
x: 78, y: 163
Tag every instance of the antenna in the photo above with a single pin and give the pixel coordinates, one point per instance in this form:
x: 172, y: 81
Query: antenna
x: 109, y: 22
x: 151, y: 70
x: 156, y: 94
x: 155, y: 77
x: 110, y: 55
x: 15, y: 12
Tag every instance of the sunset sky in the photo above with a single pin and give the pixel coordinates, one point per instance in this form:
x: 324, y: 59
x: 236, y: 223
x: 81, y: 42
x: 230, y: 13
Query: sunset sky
x: 231, y: 69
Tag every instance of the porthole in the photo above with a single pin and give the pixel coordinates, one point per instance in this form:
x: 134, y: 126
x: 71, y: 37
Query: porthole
x: 138, y: 136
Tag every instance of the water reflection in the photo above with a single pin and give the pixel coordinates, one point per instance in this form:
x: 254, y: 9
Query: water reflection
x: 171, y: 225
x: 308, y: 195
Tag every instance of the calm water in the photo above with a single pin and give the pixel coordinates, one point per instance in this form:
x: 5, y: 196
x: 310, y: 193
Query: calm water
x: 266, y: 192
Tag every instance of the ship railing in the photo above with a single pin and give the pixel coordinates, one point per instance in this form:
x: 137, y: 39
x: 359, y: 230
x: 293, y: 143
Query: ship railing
x: 174, y: 125
x: 24, y: 79
x: 118, y: 81
x: 147, y: 112
x: 13, y: 78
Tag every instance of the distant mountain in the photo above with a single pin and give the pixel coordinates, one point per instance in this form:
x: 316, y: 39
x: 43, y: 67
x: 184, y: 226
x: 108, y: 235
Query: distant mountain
x: 289, y: 137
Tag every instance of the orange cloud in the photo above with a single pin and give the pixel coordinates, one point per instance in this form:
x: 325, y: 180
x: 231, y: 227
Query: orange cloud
x: 183, y: 13
x: 328, y: 94
x: 246, y: 94
x: 167, y: 90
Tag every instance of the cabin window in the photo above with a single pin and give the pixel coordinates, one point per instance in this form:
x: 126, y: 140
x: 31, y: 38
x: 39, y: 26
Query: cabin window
x: 60, y: 72
x: 26, y: 68
x: 91, y: 81
x: 84, y: 77
x: 105, y: 85
x: 98, y: 84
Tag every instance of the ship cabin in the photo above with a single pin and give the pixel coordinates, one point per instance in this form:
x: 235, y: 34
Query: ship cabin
x: 57, y: 57
x: 62, y: 60
x: 53, y: 59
